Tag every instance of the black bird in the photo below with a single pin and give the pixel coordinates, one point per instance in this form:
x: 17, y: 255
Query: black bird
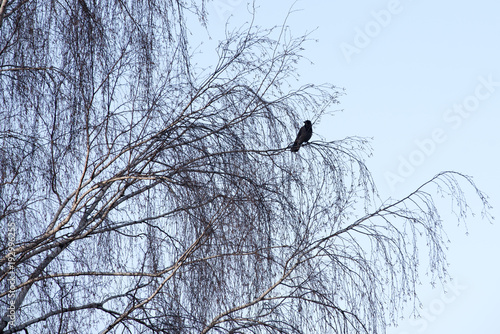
x: 303, y: 136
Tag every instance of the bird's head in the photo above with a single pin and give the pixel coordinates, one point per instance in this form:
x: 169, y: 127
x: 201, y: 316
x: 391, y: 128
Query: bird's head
x: 308, y: 123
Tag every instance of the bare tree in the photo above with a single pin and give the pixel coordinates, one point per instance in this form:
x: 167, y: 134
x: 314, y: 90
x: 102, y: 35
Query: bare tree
x: 151, y: 195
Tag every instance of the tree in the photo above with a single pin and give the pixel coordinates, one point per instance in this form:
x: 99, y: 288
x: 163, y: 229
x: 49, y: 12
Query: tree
x: 151, y: 195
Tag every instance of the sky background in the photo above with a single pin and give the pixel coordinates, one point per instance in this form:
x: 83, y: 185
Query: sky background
x: 423, y: 79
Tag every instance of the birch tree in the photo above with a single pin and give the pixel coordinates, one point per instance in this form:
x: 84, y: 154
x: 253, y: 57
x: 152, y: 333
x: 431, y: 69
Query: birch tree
x: 149, y: 194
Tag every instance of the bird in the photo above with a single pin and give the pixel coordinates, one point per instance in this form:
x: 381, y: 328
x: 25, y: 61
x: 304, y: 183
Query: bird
x: 303, y: 136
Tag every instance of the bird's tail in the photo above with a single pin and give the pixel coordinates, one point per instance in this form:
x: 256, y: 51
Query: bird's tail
x: 295, y: 147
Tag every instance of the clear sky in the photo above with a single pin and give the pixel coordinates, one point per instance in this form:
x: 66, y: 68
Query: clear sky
x: 423, y: 79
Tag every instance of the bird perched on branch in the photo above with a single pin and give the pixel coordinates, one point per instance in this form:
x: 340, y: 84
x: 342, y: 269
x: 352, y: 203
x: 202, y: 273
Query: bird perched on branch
x: 303, y: 136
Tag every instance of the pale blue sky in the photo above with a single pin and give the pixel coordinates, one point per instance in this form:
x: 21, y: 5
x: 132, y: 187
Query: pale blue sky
x: 430, y: 71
